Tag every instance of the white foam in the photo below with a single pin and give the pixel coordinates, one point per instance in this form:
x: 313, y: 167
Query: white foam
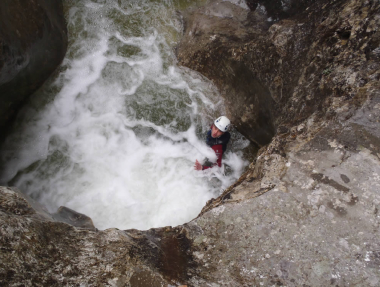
x: 240, y: 3
x: 119, y: 140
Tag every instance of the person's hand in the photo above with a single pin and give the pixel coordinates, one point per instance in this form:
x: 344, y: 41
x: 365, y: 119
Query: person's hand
x: 197, y: 165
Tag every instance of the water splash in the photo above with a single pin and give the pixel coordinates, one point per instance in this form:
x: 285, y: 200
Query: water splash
x: 116, y: 133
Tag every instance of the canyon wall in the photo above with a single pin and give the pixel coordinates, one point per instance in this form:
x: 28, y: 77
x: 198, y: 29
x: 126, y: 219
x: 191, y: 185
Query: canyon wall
x: 33, y: 42
x: 275, y: 74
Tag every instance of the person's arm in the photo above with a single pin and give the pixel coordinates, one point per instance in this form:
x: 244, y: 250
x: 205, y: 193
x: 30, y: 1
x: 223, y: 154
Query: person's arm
x: 207, y: 166
x: 197, y: 165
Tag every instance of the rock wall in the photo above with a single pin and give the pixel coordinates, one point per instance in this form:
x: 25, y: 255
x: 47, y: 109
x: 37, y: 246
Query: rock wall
x: 278, y: 73
x: 33, y: 42
x: 37, y: 250
x: 306, y: 212
x: 309, y: 218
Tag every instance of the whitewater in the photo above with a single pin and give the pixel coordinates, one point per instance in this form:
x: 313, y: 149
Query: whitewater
x: 115, y: 132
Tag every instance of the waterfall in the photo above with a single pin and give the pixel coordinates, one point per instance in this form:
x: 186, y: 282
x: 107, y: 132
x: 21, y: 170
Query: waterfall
x: 114, y: 134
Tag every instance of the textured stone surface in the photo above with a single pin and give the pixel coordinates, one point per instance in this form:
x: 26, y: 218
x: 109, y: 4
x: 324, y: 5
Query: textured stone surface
x: 273, y: 73
x: 67, y: 215
x: 316, y: 225
x: 38, y: 251
x: 33, y: 41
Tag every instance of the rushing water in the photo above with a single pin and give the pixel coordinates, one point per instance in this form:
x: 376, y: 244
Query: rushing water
x: 115, y: 133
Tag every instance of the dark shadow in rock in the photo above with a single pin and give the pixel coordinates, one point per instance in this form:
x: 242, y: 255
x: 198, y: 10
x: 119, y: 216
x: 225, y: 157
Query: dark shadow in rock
x: 339, y: 210
x: 326, y: 180
x: 345, y: 178
x: 33, y: 42
x: 255, y: 121
x: 278, y: 9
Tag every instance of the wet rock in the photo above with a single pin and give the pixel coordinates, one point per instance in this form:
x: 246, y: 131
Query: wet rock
x: 39, y: 251
x: 33, y: 42
x: 312, y: 227
x: 309, y: 60
x: 207, y: 46
x: 65, y: 214
x: 12, y: 200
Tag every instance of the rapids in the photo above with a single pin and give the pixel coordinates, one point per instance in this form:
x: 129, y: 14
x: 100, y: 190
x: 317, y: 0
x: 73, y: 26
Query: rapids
x: 115, y: 132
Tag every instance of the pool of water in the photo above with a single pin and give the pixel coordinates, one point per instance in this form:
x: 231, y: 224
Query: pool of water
x: 115, y: 132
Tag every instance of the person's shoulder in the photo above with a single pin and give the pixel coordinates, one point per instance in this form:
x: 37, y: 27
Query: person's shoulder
x: 226, y: 137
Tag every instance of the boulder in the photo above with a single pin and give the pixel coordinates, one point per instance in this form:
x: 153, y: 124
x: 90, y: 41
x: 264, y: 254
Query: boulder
x: 37, y: 250
x: 33, y: 42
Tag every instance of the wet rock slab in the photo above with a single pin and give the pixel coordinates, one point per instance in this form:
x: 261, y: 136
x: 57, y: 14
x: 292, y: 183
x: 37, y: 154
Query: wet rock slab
x: 65, y: 214
x: 36, y: 250
x: 317, y: 225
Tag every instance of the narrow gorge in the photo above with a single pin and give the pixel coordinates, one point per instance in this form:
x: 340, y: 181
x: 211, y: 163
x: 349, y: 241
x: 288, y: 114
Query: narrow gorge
x: 298, y: 79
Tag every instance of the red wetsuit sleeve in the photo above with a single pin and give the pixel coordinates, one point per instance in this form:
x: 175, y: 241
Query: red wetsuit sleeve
x: 218, y: 149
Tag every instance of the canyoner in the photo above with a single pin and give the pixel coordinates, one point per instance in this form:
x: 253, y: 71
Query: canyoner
x: 217, y: 138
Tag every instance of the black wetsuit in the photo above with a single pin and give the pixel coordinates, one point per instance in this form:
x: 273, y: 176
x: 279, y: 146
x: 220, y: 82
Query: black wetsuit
x: 219, y: 145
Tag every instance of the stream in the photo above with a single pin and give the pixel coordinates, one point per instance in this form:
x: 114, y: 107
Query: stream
x: 115, y: 132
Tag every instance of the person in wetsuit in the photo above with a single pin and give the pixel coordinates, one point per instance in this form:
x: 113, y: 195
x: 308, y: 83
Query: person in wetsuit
x: 217, y: 138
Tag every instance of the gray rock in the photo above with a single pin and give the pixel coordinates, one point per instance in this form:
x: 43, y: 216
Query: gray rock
x: 279, y: 73
x: 65, y: 214
x: 33, y: 42
x: 311, y: 227
x: 39, y: 251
